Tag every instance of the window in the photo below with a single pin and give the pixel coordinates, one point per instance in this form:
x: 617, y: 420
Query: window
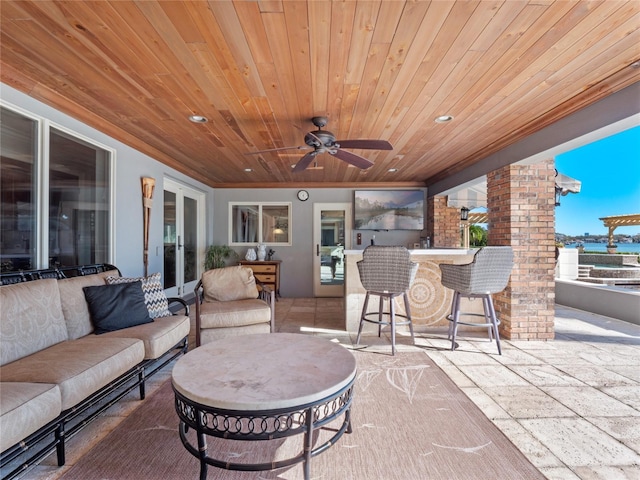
x: 18, y: 151
x: 55, y: 206
x: 251, y: 223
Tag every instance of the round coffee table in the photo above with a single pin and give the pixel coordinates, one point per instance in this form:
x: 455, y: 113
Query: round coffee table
x: 263, y: 387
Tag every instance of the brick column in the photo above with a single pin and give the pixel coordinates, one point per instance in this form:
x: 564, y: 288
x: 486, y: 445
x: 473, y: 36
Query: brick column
x: 520, y: 200
x: 443, y: 223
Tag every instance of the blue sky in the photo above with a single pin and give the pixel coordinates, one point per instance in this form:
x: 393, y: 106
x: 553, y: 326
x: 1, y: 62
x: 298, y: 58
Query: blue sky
x: 609, y: 170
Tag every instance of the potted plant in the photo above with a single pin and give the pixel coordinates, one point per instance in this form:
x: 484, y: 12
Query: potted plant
x: 217, y: 255
x: 612, y: 248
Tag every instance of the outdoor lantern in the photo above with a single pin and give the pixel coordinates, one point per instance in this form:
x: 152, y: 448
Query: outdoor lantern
x: 558, y: 194
x: 464, y: 214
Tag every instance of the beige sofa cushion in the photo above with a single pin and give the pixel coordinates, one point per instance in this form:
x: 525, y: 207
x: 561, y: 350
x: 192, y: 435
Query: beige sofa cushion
x: 79, y: 367
x: 212, y: 334
x: 229, y: 283
x: 74, y: 304
x: 158, y: 337
x: 31, y: 319
x: 235, y: 313
x: 24, y: 408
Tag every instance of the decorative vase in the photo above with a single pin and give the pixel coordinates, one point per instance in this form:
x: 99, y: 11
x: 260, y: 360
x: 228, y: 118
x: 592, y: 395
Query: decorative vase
x: 262, y: 252
x: 251, y: 255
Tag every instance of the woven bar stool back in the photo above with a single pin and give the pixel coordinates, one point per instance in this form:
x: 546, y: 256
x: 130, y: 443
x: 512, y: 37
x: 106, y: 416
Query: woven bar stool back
x: 487, y: 274
x: 386, y: 272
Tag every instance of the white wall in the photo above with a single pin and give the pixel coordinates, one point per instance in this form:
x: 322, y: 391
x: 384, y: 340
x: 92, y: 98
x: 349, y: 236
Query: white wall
x: 130, y: 166
x: 567, y: 266
x: 615, y: 302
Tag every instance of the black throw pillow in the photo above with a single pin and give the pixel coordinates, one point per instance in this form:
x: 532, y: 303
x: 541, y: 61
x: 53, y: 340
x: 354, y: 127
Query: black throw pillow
x: 114, y: 307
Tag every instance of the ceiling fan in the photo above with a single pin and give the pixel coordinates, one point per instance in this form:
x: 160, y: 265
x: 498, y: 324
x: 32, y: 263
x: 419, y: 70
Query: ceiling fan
x: 322, y: 141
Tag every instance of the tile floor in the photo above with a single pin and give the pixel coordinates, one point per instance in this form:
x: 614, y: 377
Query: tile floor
x: 571, y: 405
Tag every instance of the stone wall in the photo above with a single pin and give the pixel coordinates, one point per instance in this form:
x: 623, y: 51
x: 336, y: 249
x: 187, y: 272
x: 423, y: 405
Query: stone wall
x: 607, y: 259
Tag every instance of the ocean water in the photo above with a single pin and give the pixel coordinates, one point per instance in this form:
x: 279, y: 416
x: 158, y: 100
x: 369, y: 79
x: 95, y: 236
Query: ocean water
x: 602, y: 247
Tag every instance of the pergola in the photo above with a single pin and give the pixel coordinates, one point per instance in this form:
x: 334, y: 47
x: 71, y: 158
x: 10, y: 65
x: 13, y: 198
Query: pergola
x: 616, y: 221
x: 478, y: 217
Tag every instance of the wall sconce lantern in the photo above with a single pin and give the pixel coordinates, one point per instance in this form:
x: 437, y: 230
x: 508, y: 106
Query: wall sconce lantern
x: 464, y: 217
x: 558, y: 195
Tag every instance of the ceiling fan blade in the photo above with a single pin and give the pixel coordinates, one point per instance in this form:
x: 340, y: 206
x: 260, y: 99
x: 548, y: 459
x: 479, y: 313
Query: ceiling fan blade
x: 301, y: 147
x: 353, y: 159
x: 304, y: 162
x: 366, y: 144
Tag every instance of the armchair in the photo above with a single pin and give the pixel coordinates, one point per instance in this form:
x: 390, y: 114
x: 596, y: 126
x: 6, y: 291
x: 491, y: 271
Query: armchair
x: 230, y: 301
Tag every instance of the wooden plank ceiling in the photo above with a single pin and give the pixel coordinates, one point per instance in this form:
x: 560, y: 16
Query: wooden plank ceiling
x: 259, y: 70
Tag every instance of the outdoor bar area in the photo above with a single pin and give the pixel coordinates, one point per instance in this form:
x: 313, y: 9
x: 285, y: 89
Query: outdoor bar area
x: 429, y: 301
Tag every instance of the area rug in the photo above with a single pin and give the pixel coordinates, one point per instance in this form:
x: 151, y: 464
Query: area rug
x: 410, y: 421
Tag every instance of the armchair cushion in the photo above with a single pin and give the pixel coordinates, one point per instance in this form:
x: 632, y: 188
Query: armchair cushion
x: 228, y: 284
x: 114, y: 307
x: 154, y: 296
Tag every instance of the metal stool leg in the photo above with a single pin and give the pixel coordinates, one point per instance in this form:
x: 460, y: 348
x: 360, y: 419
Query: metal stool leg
x: 364, y: 312
x: 380, y: 313
x: 495, y: 322
x: 450, y: 316
x: 407, y: 310
x: 392, y: 313
x: 487, y: 316
x: 456, y: 316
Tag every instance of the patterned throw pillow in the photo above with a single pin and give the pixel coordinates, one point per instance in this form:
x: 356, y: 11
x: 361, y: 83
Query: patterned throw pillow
x: 154, y: 297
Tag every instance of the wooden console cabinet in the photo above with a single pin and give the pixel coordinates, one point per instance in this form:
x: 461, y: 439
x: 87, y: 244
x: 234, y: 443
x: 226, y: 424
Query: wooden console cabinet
x: 267, y: 271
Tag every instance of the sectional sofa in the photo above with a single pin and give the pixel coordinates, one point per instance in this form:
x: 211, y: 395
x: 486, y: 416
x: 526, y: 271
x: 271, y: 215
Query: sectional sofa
x: 60, y: 367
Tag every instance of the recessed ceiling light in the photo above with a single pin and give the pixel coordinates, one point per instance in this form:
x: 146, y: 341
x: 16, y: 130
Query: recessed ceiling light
x: 248, y: 169
x: 198, y: 119
x: 444, y: 118
x: 393, y: 170
x: 635, y: 64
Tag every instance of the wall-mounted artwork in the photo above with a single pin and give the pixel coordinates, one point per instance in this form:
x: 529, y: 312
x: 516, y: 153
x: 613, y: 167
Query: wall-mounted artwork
x: 388, y: 210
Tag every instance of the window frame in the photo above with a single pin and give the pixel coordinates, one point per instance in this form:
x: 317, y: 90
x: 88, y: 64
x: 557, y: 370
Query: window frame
x: 44, y: 127
x: 261, y: 236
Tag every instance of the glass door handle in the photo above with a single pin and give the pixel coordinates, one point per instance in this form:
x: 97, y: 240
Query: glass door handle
x: 317, y: 249
x: 179, y: 243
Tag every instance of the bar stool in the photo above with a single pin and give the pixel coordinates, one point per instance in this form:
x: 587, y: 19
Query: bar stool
x: 386, y: 272
x: 488, y: 273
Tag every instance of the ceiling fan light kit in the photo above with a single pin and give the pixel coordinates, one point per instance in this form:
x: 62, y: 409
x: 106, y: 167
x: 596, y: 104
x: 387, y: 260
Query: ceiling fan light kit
x: 323, y: 141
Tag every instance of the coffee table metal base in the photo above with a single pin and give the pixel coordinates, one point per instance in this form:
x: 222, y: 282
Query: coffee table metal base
x: 262, y: 425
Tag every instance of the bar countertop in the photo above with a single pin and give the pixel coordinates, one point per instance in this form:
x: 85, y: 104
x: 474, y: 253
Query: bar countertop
x: 427, y: 251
